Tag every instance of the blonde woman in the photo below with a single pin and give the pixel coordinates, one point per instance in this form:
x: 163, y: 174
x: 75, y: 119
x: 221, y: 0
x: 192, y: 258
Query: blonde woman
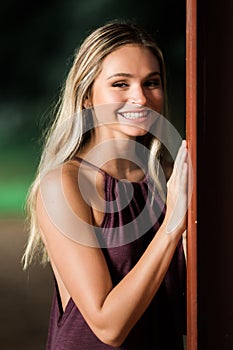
x: 105, y: 209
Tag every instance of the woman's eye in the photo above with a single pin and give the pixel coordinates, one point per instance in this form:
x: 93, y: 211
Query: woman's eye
x: 153, y: 83
x: 120, y: 84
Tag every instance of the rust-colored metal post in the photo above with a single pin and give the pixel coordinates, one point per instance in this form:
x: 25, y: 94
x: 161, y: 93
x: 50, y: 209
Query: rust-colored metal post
x: 191, y: 136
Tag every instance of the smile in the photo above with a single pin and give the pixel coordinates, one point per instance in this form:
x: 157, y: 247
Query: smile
x: 134, y: 115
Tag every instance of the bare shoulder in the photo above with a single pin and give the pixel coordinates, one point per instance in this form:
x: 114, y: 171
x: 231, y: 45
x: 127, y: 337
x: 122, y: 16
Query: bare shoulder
x: 63, y: 211
x: 64, y: 179
x: 60, y: 198
x: 70, y: 192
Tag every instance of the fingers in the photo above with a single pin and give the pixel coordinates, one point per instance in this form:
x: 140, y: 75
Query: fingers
x: 180, y: 167
x: 181, y: 155
x: 177, y: 199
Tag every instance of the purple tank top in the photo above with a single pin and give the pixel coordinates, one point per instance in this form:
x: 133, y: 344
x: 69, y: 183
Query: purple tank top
x: 130, y: 222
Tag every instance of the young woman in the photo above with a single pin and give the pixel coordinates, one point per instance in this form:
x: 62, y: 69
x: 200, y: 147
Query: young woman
x: 105, y: 209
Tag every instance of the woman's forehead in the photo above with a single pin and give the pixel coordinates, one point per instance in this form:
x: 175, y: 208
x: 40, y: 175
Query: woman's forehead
x: 130, y: 57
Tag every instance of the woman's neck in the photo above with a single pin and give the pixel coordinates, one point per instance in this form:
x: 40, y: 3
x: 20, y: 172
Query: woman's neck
x: 116, y: 156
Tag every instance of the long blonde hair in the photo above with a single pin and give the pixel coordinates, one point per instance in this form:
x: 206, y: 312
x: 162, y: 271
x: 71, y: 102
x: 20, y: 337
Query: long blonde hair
x: 62, y: 143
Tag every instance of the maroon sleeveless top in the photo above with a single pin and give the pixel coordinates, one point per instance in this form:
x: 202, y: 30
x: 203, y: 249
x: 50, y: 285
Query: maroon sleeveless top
x: 130, y: 222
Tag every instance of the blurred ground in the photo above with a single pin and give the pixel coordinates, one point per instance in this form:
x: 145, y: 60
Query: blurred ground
x: 25, y: 297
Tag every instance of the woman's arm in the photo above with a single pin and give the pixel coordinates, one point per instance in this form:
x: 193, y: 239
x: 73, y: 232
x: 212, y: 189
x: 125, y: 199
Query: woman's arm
x: 110, y: 312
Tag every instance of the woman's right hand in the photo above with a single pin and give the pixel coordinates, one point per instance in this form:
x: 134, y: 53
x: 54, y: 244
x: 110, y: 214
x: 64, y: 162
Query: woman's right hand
x: 177, y: 193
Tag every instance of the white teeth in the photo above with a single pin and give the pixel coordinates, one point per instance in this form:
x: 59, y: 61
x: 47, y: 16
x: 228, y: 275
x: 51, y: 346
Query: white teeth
x: 134, y: 115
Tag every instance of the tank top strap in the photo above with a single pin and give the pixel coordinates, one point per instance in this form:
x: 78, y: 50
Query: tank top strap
x: 81, y: 160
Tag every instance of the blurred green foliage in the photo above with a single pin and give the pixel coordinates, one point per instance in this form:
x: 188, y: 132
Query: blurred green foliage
x: 38, y: 40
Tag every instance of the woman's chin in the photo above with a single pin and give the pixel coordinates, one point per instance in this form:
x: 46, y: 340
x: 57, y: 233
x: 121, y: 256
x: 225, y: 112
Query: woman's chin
x: 135, y: 127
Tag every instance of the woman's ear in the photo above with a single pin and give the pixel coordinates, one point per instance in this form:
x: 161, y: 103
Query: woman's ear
x: 87, y: 103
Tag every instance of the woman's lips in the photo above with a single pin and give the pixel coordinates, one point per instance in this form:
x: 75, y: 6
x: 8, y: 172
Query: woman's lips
x: 135, y: 115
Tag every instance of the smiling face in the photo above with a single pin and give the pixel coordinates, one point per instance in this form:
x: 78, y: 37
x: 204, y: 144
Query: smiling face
x: 130, y: 82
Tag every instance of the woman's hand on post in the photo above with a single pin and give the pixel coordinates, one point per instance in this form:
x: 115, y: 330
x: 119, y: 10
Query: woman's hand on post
x: 177, y: 192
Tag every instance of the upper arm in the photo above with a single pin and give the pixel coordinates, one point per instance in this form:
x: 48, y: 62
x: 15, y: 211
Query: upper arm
x: 65, y: 219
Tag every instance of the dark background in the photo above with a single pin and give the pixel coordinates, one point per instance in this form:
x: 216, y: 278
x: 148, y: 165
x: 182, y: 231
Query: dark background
x: 37, y: 43
x: 214, y: 175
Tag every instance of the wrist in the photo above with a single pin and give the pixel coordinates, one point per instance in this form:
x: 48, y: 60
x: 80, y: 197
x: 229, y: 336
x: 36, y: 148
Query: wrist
x: 171, y: 231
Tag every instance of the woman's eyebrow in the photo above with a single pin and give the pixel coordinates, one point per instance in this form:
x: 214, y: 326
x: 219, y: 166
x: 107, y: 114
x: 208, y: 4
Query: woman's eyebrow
x: 153, y: 73
x: 127, y: 75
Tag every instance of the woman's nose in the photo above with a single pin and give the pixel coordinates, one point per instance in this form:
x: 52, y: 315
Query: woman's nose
x: 137, y: 96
